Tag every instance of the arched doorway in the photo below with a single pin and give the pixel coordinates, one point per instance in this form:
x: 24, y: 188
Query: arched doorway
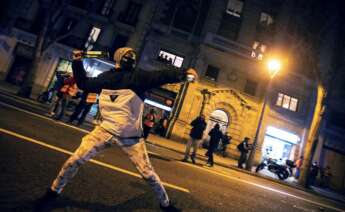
x: 220, y: 117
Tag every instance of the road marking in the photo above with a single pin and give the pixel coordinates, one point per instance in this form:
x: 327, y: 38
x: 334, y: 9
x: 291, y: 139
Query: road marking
x: 262, y: 186
x: 58, y: 149
x: 57, y: 122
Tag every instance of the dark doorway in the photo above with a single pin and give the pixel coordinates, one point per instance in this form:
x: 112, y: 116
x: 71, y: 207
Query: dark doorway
x: 19, y: 70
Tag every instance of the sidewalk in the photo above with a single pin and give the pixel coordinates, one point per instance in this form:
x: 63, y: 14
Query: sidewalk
x: 8, y: 93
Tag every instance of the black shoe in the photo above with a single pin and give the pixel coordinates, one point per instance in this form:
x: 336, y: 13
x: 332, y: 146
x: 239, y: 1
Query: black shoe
x: 49, y: 197
x: 184, y: 160
x: 193, y: 160
x: 169, y: 208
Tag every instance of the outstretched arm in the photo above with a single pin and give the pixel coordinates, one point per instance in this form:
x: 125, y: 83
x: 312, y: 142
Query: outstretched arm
x: 148, y: 80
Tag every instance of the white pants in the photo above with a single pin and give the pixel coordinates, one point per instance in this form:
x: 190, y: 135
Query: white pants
x: 96, y: 141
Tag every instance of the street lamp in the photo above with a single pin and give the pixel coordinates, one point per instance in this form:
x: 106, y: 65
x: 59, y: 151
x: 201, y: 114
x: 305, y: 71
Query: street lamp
x: 273, y: 66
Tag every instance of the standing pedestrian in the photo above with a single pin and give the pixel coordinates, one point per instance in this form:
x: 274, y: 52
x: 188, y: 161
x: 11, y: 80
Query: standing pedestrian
x: 215, y: 136
x: 83, y: 108
x: 122, y: 93
x: 226, y: 139
x: 243, y: 147
x: 298, y: 166
x: 149, y: 122
x: 67, y: 91
x: 313, y: 172
x: 196, y: 134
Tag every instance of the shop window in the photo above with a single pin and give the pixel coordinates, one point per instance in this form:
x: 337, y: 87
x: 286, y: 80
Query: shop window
x: 93, y: 36
x: 170, y: 58
x: 250, y: 87
x: 287, y: 102
x: 234, y: 8
x: 212, y: 73
x: 131, y: 14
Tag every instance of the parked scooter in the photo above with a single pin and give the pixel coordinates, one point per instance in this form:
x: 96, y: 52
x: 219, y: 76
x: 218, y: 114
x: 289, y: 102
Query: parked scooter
x: 282, y: 171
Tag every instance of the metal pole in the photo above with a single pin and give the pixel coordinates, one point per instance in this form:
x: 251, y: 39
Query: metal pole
x: 250, y: 160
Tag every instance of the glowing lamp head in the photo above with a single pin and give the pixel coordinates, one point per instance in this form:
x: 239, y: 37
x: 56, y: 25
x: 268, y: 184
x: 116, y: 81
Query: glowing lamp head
x: 274, y: 67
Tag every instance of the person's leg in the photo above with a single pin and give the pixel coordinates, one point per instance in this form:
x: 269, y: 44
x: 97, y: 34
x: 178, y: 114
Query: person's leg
x: 240, y: 161
x: 87, y: 108
x: 77, y: 111
x: 187, y: 151
x: 195, y: 148
x: 90, y: 146
x: 139, y: 157
x: 146, y: 131
x: 211, y: 157
x: 63, y: 104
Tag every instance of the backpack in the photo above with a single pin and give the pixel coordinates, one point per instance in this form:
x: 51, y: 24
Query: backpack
x: 240, y: 147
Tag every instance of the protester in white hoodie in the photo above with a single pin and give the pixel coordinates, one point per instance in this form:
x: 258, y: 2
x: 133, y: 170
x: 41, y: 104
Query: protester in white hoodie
x: 122, y: 93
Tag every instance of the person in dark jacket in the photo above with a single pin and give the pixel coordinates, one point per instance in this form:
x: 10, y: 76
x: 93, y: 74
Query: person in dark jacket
x: 243, y: 147
x: 196, y: 134
x: 82, y: 108
x: 226, y: 140
x: 215, y: 136
x: 122, y: 93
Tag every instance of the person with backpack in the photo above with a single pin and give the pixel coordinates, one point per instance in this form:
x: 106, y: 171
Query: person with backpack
x: 215, y: 136
x: 243, y: 147
x: 196, y: 134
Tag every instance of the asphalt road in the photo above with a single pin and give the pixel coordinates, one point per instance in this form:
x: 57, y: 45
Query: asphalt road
x: 33, y: 148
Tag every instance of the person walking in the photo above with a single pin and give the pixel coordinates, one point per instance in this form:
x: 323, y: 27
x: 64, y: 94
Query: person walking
x: 243, y: 147
x: 313, y: 173
x: 196, y: 134
x: 122, y: 93
x: 83, y: 108
x: 149, y: 122
x: 215, y: 136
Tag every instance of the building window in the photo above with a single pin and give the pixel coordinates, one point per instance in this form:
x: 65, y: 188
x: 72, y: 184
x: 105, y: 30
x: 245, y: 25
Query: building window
x: 170, y: 58
x: 234, y: 8
x: 93, y: 36
x: 67, y: 26
x: 185, y: 18
x: 258, y: 50
x: 266, y: 19
x: 212, y: 73
x: 250, y: 87
x: 130, y: 15
x: 107, y: 7
x: 287, y: 102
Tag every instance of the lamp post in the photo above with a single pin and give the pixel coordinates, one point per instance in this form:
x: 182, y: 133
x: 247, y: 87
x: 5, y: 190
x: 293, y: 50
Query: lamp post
x: 274, y: 67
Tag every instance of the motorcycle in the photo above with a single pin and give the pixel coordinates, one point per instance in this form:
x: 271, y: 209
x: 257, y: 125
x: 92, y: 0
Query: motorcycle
x: 282, y: 171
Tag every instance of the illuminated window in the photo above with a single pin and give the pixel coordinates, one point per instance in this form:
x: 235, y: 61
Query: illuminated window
x: 234, y: 8
x: 93, y: 36
x: 170, y: 58
x: 287, y: 102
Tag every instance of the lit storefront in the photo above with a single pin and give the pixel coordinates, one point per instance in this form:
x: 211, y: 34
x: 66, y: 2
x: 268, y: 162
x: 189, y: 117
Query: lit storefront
x: 279, y: 144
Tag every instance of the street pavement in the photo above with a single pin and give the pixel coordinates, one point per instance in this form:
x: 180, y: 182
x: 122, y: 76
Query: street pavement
x: 33, y: 147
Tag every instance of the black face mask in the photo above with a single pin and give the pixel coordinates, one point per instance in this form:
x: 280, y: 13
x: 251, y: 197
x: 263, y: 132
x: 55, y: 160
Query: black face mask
x: 127, y: 63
